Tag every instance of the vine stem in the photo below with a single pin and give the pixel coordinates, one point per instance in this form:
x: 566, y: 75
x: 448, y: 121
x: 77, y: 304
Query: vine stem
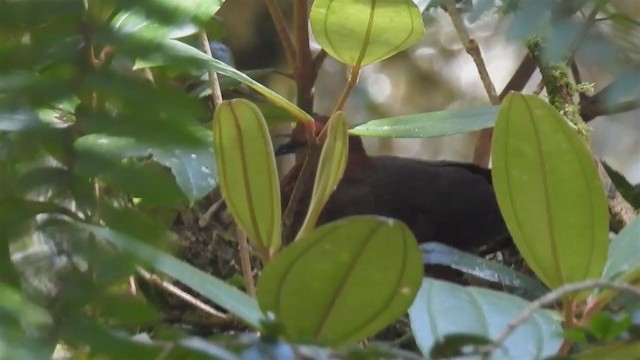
x: 551, y: 298
x: 354, y: 74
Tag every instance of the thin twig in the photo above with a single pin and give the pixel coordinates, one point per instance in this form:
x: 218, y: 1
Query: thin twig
x: 551, y: 298
x: 472, y: 48
x: 283, y: 33
x: 169, y: 287
x: 245, y: 262
x: 482, y: 151
x: 304, y: 66
x: 354, y: 74
x: 214, y: 84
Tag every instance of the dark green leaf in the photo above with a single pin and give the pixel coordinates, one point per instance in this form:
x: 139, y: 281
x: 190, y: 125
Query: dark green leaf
x: 434, y: 253
x: 192, y: 166
x: 328, y: 286
x: 176, y: 52
x: 222, y: 294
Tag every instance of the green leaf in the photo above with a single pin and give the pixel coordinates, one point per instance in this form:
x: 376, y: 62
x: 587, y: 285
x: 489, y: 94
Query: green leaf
x: 160, y: 19
x: 176, y: 52
x: 248, y: 174
x: 434, y: 253
x: 620, y: 350
x: 344, y: 281
x: 222, y: 294
x: 333, y: 160
x: 14, y: 304
x: 431, y: 124
x: 361, y: 32
x: 193, y: 166
x: 623, y: 251
x: 549, y: 192
x: 442, y: 308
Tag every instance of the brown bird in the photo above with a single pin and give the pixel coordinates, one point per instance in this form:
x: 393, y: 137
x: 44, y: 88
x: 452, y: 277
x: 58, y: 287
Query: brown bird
x: 448, y: 202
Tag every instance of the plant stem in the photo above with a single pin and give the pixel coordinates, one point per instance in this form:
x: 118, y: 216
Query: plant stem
x: 283, y: 33
x: 354, y: 74
x: 245, y: 262
x: 214, y: 84
x: 304, y: 67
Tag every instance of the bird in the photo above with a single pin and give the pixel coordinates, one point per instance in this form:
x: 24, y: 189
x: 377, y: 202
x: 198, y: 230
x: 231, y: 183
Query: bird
x: 449, y: 202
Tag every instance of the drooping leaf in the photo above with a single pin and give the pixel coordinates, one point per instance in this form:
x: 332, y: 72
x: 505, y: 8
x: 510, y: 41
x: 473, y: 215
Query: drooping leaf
x: 361, y: 32
x: 549, y: 192
x: 431, y: 124
x: 442, y: 308
x: 192, y: 166
x: 333, y: 160
x: 434, y: 253
x: 219, y: 292
x: 176, y: 52
x: 328, y: 286
x: 248, y: 173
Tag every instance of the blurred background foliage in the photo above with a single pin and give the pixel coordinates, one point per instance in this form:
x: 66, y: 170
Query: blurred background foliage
x: 93, y: 151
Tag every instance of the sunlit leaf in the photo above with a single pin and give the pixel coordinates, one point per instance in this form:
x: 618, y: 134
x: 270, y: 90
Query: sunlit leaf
x: 333, y: 160
x: 442, y: 308
x: 219, y: 292
x: 549, y: 192
x: 361, y: 32
x: 344, y: 281
x: 431, y: 124
x: 176, y: 51
x: 248, y: 173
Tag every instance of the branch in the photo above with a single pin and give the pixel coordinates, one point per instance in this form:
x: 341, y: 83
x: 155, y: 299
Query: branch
x: 596, y: 105
x: 283, y: 33
x: 551, y: 298
x: 214, y: 84
x: 482, y: 151
x: 245, y: 262
x: 561, y: 91
x: 169, y: 287
x: 304, y: 62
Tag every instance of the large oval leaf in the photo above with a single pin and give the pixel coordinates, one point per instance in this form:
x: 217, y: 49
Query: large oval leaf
x: 442, y: 308
x: 343, y: 282
x: 247, y: 172
x: 431, y: 124
x: 549, y: 192
x: 331, y: 165
x: 360, y: 32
